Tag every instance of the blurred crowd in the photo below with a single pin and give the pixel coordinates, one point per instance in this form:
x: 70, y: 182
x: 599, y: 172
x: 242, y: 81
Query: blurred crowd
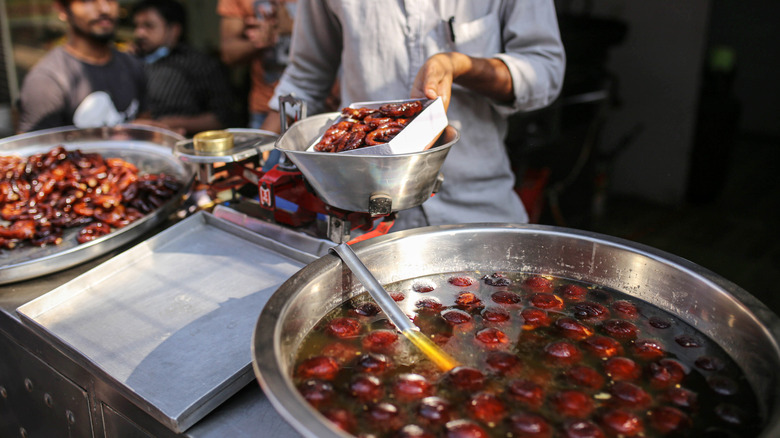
x: 158, y: 78
x: 485, y: 61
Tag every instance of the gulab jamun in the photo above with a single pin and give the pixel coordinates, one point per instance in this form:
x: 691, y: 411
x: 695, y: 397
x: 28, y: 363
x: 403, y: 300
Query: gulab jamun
x: 344, y: 327
x: 526, y: 391
x: 534, y: 318
x: 590, y: 311
x: 571, y: 403
x: 620, y: 329
x: 529, y: 425
x: 538, y: 283
x: 622, y: 368
x: 409, y: 387
x: 572, y: 292
x: 318, y: 367
x: 602, y: 346
x: 505, y: 297
x: 546, y: 301
x: 366, y: 387
x: 486, y: 407
x: 466, y: 378
x: 572, y: 329
x: 667, y: 419
x: 627, y: 395
x: 584, y: 376
x: 622, y: 423
x: 562, y: 352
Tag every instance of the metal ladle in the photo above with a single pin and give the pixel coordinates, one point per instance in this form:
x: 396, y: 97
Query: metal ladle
x: 391, y: 309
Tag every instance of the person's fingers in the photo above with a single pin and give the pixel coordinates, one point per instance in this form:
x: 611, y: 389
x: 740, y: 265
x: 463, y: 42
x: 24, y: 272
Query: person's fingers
x: 434, y: 80
x: 426, y: 82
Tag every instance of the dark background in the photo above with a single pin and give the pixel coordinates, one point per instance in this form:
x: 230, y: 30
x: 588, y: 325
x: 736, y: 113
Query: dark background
x: 666, y: 134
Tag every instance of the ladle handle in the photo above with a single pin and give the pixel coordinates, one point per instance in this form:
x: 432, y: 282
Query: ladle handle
x: 391, y: 309
x: 377, y: 292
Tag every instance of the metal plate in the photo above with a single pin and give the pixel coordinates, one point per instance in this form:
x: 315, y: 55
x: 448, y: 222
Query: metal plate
x: 168, y: 323
x: 148, y: 148
x: 247, y: 143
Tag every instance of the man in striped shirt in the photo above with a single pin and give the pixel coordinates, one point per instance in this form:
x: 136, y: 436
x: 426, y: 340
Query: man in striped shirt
x: 186, y: 89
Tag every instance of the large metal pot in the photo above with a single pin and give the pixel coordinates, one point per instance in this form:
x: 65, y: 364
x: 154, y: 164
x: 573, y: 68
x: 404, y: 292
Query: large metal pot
x: 746, y: 329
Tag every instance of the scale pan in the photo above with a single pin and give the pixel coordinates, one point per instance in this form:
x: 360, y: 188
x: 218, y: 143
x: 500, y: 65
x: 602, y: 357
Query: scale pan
x: 349, y: 182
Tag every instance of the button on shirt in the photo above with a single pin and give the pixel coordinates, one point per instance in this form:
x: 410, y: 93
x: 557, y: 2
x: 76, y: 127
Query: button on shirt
x: 379, y: 46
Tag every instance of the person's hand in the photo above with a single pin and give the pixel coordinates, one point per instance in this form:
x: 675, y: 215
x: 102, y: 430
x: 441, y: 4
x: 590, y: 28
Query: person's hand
x: 489, y: 77
x: 260, y: 32
x: 435, y: 79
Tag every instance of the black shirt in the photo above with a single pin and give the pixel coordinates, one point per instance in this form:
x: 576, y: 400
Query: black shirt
x: 187, y: 82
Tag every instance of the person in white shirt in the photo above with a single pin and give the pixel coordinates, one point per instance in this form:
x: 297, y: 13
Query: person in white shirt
x: 487, y: 59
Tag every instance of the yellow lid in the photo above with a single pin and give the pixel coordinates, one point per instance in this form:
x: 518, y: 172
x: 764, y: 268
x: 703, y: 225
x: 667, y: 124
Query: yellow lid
x: 213, y: 141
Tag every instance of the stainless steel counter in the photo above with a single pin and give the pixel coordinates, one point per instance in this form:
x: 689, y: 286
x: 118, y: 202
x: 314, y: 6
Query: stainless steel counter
x: 50, y: 390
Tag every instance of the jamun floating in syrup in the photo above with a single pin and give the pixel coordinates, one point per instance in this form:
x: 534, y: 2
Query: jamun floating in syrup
x: 592, y: 369
x: 389, y: 306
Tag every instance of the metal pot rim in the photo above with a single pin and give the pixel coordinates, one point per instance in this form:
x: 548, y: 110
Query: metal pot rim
x: 273, y: 378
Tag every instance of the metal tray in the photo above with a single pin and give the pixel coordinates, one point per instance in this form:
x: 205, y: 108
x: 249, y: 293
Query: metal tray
x: 149, y: 148
x: 169, y: 322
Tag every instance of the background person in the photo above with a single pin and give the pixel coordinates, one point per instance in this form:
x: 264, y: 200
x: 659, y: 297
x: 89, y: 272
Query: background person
x: 249, y: 33
x: 86, y: 82
x: 186, y: 89
x: 486, y: 59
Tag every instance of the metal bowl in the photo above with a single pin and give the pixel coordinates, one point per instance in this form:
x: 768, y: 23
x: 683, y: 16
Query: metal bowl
x: 348, y: 182
x: 147, y: 147
x: 746, y: 329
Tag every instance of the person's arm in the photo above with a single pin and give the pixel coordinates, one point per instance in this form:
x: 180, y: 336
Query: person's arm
x: 272, y: 122
x: 242, y: 38
x: 533, y: 53
x: 41, y: 103
x: 526, y: 75
x: 487, y: 76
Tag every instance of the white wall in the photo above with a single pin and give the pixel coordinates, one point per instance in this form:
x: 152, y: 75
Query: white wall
x: 659, y: 67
